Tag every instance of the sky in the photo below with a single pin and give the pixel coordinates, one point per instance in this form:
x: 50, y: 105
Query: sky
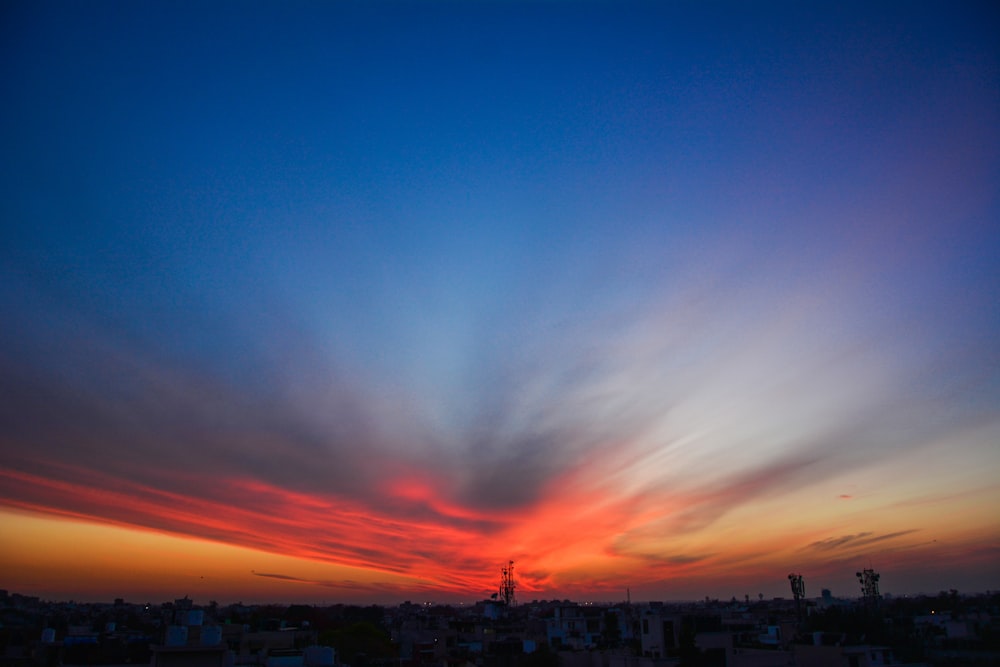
x: 358, y: 302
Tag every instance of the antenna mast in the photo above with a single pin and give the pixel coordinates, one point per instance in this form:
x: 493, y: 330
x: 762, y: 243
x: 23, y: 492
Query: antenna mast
x: 798, y: 591
x: 868, y: 578
x: 507, y: 584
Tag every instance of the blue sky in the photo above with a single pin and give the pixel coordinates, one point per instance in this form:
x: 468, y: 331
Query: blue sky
x: 330, y: 246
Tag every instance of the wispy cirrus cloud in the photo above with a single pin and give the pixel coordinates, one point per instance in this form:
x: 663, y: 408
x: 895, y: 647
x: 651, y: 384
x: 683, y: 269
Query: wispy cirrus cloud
x: 352, y: 587
x: 595, y: 440
x: 857, y: 540
x: 578, y: 479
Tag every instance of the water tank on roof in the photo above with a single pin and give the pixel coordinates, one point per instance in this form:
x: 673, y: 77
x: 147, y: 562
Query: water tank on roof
x: 48, y: 636
x: 319, y: 656
x: 177, y: 635
x: 211, y: 635
x: 195, y: 617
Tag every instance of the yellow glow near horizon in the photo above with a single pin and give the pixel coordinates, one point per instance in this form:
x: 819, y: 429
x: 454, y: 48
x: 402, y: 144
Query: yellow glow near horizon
x: 47, y: 556
x: 582, y: 538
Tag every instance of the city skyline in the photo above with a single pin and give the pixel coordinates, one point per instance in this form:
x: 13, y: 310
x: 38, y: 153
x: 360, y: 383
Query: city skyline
x: 359, y: 301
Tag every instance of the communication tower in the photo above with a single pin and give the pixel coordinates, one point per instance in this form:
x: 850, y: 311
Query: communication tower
x: 869, y: 588
x: 507, y: 584
x: 798, y: 592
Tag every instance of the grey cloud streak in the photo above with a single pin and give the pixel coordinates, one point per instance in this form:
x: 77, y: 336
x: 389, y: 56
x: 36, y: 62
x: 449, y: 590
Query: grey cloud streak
x: 857, y: 540
x: 348, y: 584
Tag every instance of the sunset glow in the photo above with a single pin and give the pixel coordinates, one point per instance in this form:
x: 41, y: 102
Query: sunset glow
x: 357, y: 302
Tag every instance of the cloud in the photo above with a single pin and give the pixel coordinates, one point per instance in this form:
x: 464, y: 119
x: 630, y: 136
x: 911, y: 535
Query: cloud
x: 856, y: 540
x: 355, y: 587
x: 836, y: 542
x: 675, y: 559
x: 611, y: 433
x: 283, y: 577
x: 593, y: 450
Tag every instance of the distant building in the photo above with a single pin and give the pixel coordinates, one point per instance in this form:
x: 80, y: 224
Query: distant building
x: 659, y: 633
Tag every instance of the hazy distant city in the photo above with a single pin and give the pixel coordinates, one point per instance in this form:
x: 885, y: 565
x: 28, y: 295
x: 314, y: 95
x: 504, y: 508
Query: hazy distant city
x: 865, y: 629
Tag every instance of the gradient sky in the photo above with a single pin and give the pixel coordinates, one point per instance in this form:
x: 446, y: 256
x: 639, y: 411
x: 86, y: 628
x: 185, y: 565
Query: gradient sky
x: 354, y: 302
